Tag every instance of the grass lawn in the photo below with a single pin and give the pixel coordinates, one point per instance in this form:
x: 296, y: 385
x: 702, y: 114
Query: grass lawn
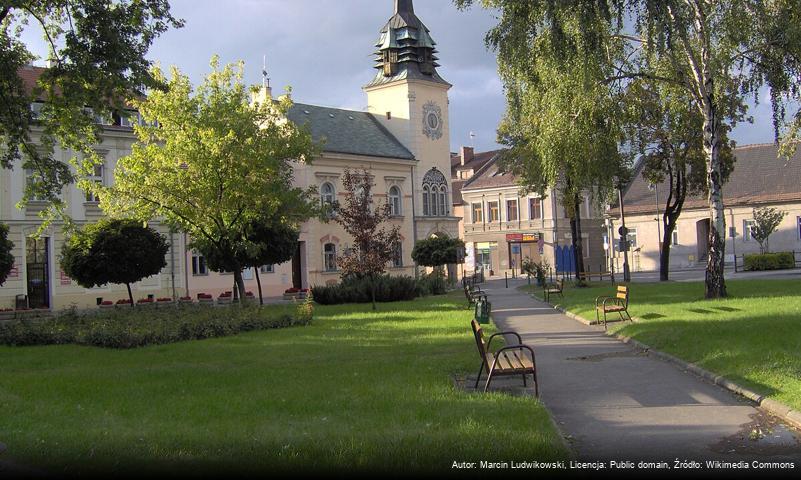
x: 753, y: 337
x: 356, y: 390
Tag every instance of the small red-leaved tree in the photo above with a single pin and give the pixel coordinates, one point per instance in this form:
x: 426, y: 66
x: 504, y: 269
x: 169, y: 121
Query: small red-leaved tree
x: 373, y: 244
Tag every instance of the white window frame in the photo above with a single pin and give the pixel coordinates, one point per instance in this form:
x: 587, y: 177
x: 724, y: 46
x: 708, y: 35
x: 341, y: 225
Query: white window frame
x: 530, y: 210
x: 426, y: 206
x: 197, y: 263
x: 96, y: 177
x: 329, y: 258
x: 515, y: 210
x: 747, y: 236
x: 489, y: 211
x: 480, y: 212
x: 632, y: 233
x: 395, y: 203
x: 327, y: 197
x: 267, y: 268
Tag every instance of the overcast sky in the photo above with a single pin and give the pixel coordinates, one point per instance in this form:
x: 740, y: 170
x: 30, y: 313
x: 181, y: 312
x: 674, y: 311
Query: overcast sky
x: 323, y: 49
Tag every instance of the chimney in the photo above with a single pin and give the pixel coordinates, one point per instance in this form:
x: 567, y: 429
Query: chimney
x: 466, y: 154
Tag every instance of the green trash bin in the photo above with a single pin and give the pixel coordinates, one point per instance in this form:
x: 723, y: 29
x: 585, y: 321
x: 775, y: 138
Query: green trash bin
x: 483, y: 308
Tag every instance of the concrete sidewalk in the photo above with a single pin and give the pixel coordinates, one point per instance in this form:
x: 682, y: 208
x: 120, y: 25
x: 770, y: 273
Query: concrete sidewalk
x: 615, y: 402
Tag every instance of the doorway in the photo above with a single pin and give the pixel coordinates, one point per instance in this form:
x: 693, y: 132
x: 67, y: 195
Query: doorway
x: 297, y: 271
x: 702, y: 239
x: 37, y: 267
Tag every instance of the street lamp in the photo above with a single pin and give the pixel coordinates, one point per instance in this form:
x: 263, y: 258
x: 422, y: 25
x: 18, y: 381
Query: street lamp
x: 623, y: 231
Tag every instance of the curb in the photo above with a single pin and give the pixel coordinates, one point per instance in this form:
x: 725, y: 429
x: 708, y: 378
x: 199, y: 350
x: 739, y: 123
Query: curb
x: 780, y: 410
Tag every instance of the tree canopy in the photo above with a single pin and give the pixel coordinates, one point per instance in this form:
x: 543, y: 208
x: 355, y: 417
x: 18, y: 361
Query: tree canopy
x: 437, y: 251
x: 210, y: 162
x: 766, y: 221
x: 113, y: 251
x: 97, y: 62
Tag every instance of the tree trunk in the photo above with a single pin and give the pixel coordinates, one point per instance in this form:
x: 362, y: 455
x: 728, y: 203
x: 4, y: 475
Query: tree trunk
x: 715, y: 285
x: 673, y: 207
x: 258, y: 282
x: 372, y: 290
x: 575, y: 230
x: 664, y: 254
x: 239, y: 283
x: 130, y: 295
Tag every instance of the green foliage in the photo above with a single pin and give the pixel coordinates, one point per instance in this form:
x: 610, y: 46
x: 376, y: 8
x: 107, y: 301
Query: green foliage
x: 433, y: 283
x: 98, y: 49
x: 213, y: 164
x: 132, y: 327
x: 766, y: 221
x: 352, y: 289
x: 537, y: 269
x: 437, y: 251
x: 770, y: 261
x: 113, y: 251
x: 6, y: 258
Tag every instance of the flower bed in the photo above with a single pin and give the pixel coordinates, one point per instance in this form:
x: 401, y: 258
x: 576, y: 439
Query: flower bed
x: 291, y: 293
x: 123, y: 302
x: 185, y: 300
x: 205, y: 299
x: 106, y: 304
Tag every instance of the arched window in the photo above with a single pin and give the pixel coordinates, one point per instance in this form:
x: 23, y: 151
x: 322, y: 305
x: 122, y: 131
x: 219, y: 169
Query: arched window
x: 330, y: 257
x: 327, y: 193
x: 435, y: 193
x: 395, y: 201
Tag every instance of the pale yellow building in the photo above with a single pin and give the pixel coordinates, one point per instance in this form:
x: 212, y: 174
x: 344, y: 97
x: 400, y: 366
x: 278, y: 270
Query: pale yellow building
x: 761, y: 178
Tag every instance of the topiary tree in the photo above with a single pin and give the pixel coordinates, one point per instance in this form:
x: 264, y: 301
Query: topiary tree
x: 113, y: 251
x: 766, y: 221
x: 6, y: 258
x: 438, y: 251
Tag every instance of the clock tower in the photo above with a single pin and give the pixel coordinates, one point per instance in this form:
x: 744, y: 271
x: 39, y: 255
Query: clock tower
x: 410, y: 99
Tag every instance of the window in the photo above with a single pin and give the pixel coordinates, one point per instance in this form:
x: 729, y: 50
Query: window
x: 534, y: 208
x: 30, y: 178
x: 747, y: 226
x: 199, y: 265
x: 675, y: 239
x: 327, y: 194
x: 394, y: 201
x: 511, y: 210
x: 36, y: 109
x: 799, y: 228
x: 267, y: 269
x: 397, y: 255
x: 330, y: 257
x: 492, y: 207
x: 131, y: 118
x: 96, y: 177
x: 478, y: 216
x: 435, y: 193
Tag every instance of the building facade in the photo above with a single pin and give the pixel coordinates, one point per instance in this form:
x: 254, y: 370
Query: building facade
x: 503, y: 225
x: 761, y: 178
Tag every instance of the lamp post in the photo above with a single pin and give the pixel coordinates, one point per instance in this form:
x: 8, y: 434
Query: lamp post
x: 655, y: 188
x: 623, y: 237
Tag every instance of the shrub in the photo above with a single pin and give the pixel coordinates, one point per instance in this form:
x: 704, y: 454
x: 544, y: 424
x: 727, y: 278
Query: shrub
x: 432, y: 284
x: 130, y: 328
x: 770, y: 261
x: 358, y: 290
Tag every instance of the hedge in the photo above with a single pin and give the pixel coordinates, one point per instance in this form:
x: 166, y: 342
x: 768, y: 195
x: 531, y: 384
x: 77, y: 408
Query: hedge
x: 358, y: 290
x: 138, y: 327
x: 770, y: 261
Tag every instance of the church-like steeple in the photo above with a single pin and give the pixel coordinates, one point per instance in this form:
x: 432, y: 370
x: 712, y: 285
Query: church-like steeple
x: 405, y: 49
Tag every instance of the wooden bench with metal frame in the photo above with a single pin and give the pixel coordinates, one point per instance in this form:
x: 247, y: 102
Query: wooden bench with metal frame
x: 557, y: 287
x: 507, y: 360
x: 618, y: 304
x: 587, y: 276
x: 473, y: 294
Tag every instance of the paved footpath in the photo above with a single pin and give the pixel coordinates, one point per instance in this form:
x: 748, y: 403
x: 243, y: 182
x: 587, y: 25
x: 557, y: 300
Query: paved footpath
x: 615, y: 402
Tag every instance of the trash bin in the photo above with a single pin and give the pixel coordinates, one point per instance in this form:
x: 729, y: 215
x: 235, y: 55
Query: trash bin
x: 483, y: 308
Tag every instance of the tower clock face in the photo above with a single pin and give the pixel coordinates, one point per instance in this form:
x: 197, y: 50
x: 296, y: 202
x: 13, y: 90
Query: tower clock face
x: 432, y: 120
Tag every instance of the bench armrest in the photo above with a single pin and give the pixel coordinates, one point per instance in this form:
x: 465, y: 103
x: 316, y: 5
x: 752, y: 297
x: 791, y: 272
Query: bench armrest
x: 601, y: 298
x: 614, y: 300
x: 510, y: 332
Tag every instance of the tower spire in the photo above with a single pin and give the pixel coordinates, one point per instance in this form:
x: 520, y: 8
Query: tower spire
x: 404, y: 6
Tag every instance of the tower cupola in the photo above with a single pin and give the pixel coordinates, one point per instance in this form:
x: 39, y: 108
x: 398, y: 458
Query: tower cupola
x: 405, y: 49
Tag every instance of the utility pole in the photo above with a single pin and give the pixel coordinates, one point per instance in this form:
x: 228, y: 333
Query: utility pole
x: 624, y: 243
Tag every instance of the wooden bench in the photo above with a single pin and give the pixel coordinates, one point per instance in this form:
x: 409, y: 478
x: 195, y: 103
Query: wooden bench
x: 589, y: 275
x: 557, y: 287
x: 473, y: 294
x: 618, y: 304
x: 508, y: 360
